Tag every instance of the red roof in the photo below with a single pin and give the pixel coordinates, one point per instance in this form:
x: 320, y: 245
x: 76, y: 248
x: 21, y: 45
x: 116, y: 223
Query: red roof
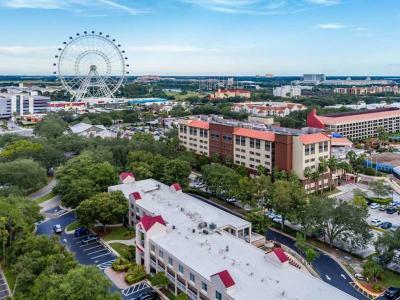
x: 176, y: 186
x: 124, y: 175
x: 226, y: 278
x: 313, y: 138
x: 256, y: 134
x: 149, y: 221
x: 199, y: 124
x: 281, y: 255
x: 136, y: 196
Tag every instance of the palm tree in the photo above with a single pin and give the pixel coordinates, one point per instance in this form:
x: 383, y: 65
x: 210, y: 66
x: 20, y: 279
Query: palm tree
x: 315, y: 177
x: 322, y: 169
x: 307, y: 175
x: 332, y: 165
x: 351, y: 156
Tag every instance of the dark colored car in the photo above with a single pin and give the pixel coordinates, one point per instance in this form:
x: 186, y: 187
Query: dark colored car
x: 392, y: 293
x: 391, y: 210
x: 151, y: 295
x: 91, y: 238
x: 81, y: 231
x: 386, y: 225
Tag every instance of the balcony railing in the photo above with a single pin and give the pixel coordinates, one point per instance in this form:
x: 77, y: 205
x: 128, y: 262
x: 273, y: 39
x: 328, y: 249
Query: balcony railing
x: 181, y: 286
x: 191, y: 295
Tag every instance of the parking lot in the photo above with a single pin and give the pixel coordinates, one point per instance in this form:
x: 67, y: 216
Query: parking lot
x: 3, y: 288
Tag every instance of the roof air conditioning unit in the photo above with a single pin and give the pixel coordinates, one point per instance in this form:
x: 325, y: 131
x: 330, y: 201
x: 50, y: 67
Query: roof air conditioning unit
x: 202, y: 225
x: 212, y: 226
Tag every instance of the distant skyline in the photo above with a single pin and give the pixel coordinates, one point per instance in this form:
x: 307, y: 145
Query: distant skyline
x: 211, y: 37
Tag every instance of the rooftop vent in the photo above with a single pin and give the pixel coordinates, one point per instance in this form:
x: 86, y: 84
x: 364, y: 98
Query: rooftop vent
x: 205, y: 231
x: 212, y: 226
x: 202, y: 225
x: 227, y: 248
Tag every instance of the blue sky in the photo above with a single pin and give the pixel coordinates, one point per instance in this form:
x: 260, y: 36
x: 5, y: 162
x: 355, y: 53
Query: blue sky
x: 211, y: 37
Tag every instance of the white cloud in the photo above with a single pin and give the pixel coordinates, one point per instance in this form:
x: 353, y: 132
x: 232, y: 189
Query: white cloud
x: 170, y: 49
x: 23, y: 51
x: 330, y: 26
x: 259, y: 7
x: 88, y: 7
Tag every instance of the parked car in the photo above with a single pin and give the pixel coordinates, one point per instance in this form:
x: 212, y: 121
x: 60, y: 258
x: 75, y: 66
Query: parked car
x: 382, y: 207
x: 359, y: 276
x: 391, y: 210
x: 151, y: 295
x: 392, y: 293
x: 394, y: 228
x: 231, y: 200
x: 81, y: 231
x: 386, y: 225
x: 277, y: 219
x: 57, y: 228
x: 374, y: 205
x: 91, y: 238
x: 376, y: 222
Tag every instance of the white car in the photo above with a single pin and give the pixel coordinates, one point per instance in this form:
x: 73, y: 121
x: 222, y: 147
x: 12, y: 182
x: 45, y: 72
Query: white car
x: 376, y: 222
x: 359, y: 276
x: 277, y: 219
x: 57, y: 228
x: 374, y: 206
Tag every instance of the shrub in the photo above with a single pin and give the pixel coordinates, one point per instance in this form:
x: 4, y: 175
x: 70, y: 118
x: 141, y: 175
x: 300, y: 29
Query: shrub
x: 121, y: 265
x: 135, y: 274
x: 377, y: 287
x: 382, y: 201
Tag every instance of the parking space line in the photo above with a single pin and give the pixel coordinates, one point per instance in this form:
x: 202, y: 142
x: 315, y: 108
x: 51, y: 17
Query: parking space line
x: 3, y: 290
x: 87, y: 249
x: 85, y: 245
x: 108, y: 253
x: 79, y: 238
x: 90, y: 253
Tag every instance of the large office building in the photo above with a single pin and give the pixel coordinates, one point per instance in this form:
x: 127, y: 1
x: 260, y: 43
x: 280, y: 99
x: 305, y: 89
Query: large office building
x: 268, y: 109
x: 360, y: 124
x: 252, y: 145
x: 207, y: 253
x: 23, y: 104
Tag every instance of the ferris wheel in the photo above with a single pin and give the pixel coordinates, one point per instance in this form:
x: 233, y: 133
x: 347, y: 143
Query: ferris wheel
x: 91, y: 65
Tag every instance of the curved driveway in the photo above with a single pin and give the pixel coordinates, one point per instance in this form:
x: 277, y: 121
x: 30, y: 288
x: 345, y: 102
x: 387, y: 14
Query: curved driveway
x: 327, y: 268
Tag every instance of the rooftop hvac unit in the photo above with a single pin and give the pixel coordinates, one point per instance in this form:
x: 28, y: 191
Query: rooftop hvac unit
x: 202, y: 225
x: 227, y: 248
x: 205, y: 231
x: 212, y: 226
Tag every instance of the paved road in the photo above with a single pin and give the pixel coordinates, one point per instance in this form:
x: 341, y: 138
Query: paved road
x: 329, y: 270
x: 43, y: 191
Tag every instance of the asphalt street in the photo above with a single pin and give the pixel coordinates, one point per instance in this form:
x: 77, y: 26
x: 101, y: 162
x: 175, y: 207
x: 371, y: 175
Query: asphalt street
x: 328, y: 269
x: 43, y: 191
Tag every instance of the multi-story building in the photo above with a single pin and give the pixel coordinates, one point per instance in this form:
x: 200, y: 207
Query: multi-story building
x: 367, y: 90
x: 287, y: 91
x: 268, y: 109
x: 23, y: 104
x: 207, y: 253
x: 253, y: 145
x: 223, y: 94
x: 360, y: 124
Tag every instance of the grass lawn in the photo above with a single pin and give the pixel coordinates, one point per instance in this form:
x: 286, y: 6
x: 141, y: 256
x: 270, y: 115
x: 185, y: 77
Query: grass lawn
x: 118, y: 233
x: 45, y: 198
x: 390, y: 278
x: 123, y: 250
x: 74, y: 225
x: 9, y: 276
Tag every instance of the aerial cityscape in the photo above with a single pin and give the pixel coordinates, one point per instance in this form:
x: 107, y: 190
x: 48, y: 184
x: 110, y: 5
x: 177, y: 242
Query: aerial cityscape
x: 199, y: 150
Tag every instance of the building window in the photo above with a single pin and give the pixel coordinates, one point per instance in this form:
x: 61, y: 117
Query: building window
x: 237, y: 140
x: 251, y: 143
x: 180, y: 269
x: 267, y: 146
x: 160, y: 253
x: 191, y: 277
x: 170, y: 261
x: 258, y: 144
x: 218, y: 295
x: 204, y: 286
x: 152, y: 247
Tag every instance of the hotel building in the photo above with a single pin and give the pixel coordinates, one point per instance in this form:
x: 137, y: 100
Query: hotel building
x: 23, y: 104
x: 207, y: 253
x: 358, y: 124
x: 252, y: 145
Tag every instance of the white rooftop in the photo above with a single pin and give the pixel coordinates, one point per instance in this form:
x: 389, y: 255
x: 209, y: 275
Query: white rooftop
x: 81, y: 127
x: 257, y: 275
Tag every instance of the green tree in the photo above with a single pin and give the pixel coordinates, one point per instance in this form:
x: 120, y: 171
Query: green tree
x: 106, y: 208
x: 287, y: 199
x: 80, y: 283
x: 52, y: 126
x: 25, y: 174
x: 220, y: 180
x: 379, y: 188
x: 182, y: 297
x: 159, y: 280
x: 386, y: 244
x: 259, y: 221
x: 372, y: 270
x: 3, y: 236
x: 21, y: 149
x: 382, y: 136
x: 176, y: 170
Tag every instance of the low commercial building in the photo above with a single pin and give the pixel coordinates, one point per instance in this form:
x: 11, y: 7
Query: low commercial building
x: 287, y: 91
x: 367, y: 90
x: 223, y: 94
x: 361, y: 124
x: 207, y: 253
x: 384, y: 162
x: 88, y: 130
x: 268, y: 109
x: 254, y: 145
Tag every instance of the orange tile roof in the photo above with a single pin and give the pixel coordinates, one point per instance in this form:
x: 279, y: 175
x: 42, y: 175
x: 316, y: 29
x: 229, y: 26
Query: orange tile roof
x: 359, y: 118
x: 199, y: 124
x: 255, y: 134
x: 313, y: 138
x: 341, y: 142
